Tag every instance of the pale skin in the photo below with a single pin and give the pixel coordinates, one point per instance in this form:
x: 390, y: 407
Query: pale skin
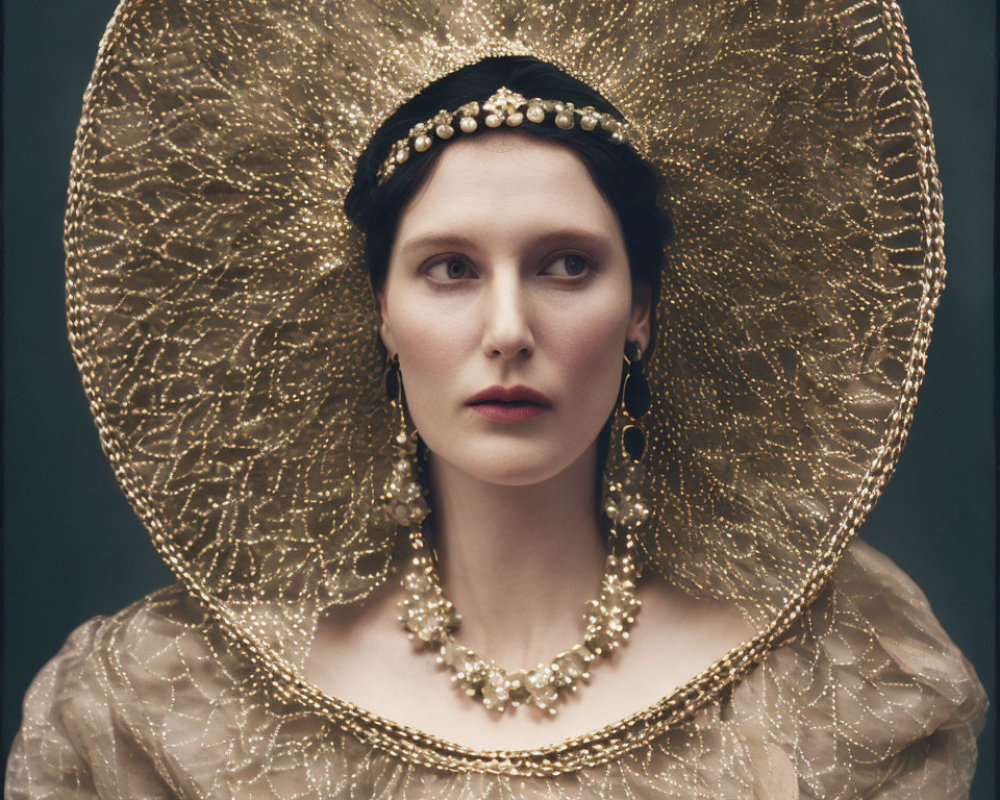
x: 508, y: 268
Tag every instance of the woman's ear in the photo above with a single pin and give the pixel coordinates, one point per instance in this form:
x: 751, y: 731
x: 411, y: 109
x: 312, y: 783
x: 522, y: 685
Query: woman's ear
x: 384, y: 327
x: 638, y: 326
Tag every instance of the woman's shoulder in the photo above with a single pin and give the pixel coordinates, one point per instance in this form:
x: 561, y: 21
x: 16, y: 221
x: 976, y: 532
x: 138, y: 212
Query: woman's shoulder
x: 866, y: 693
x: 166, y: 612
x: 124, y: 644
x: 877, y: 638
x: 83, y: 713
x: 871, y: 595
x: 148, y: 624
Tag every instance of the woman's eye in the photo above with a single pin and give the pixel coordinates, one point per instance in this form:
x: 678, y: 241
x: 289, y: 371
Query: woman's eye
x: 449, y: 269
x: 571, y: 265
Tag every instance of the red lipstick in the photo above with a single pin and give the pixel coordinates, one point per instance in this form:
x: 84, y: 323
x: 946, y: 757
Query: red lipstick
x: 509, y: 405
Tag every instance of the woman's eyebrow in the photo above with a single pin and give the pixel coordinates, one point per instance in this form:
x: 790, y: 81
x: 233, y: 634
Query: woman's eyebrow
x: 558, y: 237
x: 438, y: 241
x: 582, y: 237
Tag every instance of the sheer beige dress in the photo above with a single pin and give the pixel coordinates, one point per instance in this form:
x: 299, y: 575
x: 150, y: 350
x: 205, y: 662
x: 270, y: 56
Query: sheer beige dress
x: 222, y: 322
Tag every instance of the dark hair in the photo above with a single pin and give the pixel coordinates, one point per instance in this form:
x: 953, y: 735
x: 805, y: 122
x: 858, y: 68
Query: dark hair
x: 627, y: 182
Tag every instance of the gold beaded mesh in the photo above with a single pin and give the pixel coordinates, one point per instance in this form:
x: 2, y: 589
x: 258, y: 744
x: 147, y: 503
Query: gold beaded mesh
x: 220, y: 313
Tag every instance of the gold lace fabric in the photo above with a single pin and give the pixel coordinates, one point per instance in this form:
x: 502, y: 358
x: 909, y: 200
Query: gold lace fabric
x: 220, y: 314
x: 867, y: 697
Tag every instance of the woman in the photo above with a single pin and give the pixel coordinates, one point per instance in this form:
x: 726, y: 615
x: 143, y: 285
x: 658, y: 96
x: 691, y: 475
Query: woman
x: 509, y: 308
x: 226, y: 338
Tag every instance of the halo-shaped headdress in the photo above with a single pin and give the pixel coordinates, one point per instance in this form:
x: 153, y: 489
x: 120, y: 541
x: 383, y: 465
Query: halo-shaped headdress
x: 221, y: 317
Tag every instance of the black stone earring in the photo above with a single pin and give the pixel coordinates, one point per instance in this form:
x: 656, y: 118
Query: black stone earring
x: 626, y: 478
x: 635, y: 401
x: 393, y: 384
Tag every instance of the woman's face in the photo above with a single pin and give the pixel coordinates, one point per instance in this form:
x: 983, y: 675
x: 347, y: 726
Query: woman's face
x: 509, y: 272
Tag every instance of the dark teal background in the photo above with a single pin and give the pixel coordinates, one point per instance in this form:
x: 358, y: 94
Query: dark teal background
x: 73, y: 548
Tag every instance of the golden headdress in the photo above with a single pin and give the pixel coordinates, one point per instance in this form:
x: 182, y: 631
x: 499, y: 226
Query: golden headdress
x: 221, y: 317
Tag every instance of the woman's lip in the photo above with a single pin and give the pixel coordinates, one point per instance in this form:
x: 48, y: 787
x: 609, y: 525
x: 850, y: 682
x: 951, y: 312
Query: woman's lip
x: 508, y: 413
x: 514, y: 395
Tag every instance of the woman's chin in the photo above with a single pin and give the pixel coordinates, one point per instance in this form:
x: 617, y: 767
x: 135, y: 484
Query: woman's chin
x: 511, y: 465
x: 514, y: 476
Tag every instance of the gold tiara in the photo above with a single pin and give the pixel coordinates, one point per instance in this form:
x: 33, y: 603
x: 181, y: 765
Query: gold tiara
x: 503, y: 106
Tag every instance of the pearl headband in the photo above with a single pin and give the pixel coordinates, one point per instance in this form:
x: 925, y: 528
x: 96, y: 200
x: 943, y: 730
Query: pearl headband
x: 504, y: 106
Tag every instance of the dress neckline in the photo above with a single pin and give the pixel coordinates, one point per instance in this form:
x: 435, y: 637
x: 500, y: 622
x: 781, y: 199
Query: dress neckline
x: 285, y: 682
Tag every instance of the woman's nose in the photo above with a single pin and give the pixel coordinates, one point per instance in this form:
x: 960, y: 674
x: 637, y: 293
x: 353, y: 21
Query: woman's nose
x: 507, y: 328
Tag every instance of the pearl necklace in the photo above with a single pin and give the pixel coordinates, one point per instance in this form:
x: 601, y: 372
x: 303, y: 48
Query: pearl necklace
x: 431, y: 622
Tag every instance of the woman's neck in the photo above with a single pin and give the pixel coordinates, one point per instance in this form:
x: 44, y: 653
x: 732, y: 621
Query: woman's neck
x: 519, y: 562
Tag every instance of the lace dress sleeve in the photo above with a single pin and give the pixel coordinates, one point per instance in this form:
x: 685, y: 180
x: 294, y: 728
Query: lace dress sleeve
x: 940, y: 765
x: 69, y: 745
x: 871, y: 699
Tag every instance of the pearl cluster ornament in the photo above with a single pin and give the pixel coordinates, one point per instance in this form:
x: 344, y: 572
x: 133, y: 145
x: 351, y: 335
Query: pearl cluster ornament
x: 402, y: 496
x: 625, y: 506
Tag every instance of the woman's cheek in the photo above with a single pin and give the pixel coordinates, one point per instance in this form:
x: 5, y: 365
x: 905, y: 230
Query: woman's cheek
x: 430, y: 356
x: 428, y: 334
x: 590, y: 347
